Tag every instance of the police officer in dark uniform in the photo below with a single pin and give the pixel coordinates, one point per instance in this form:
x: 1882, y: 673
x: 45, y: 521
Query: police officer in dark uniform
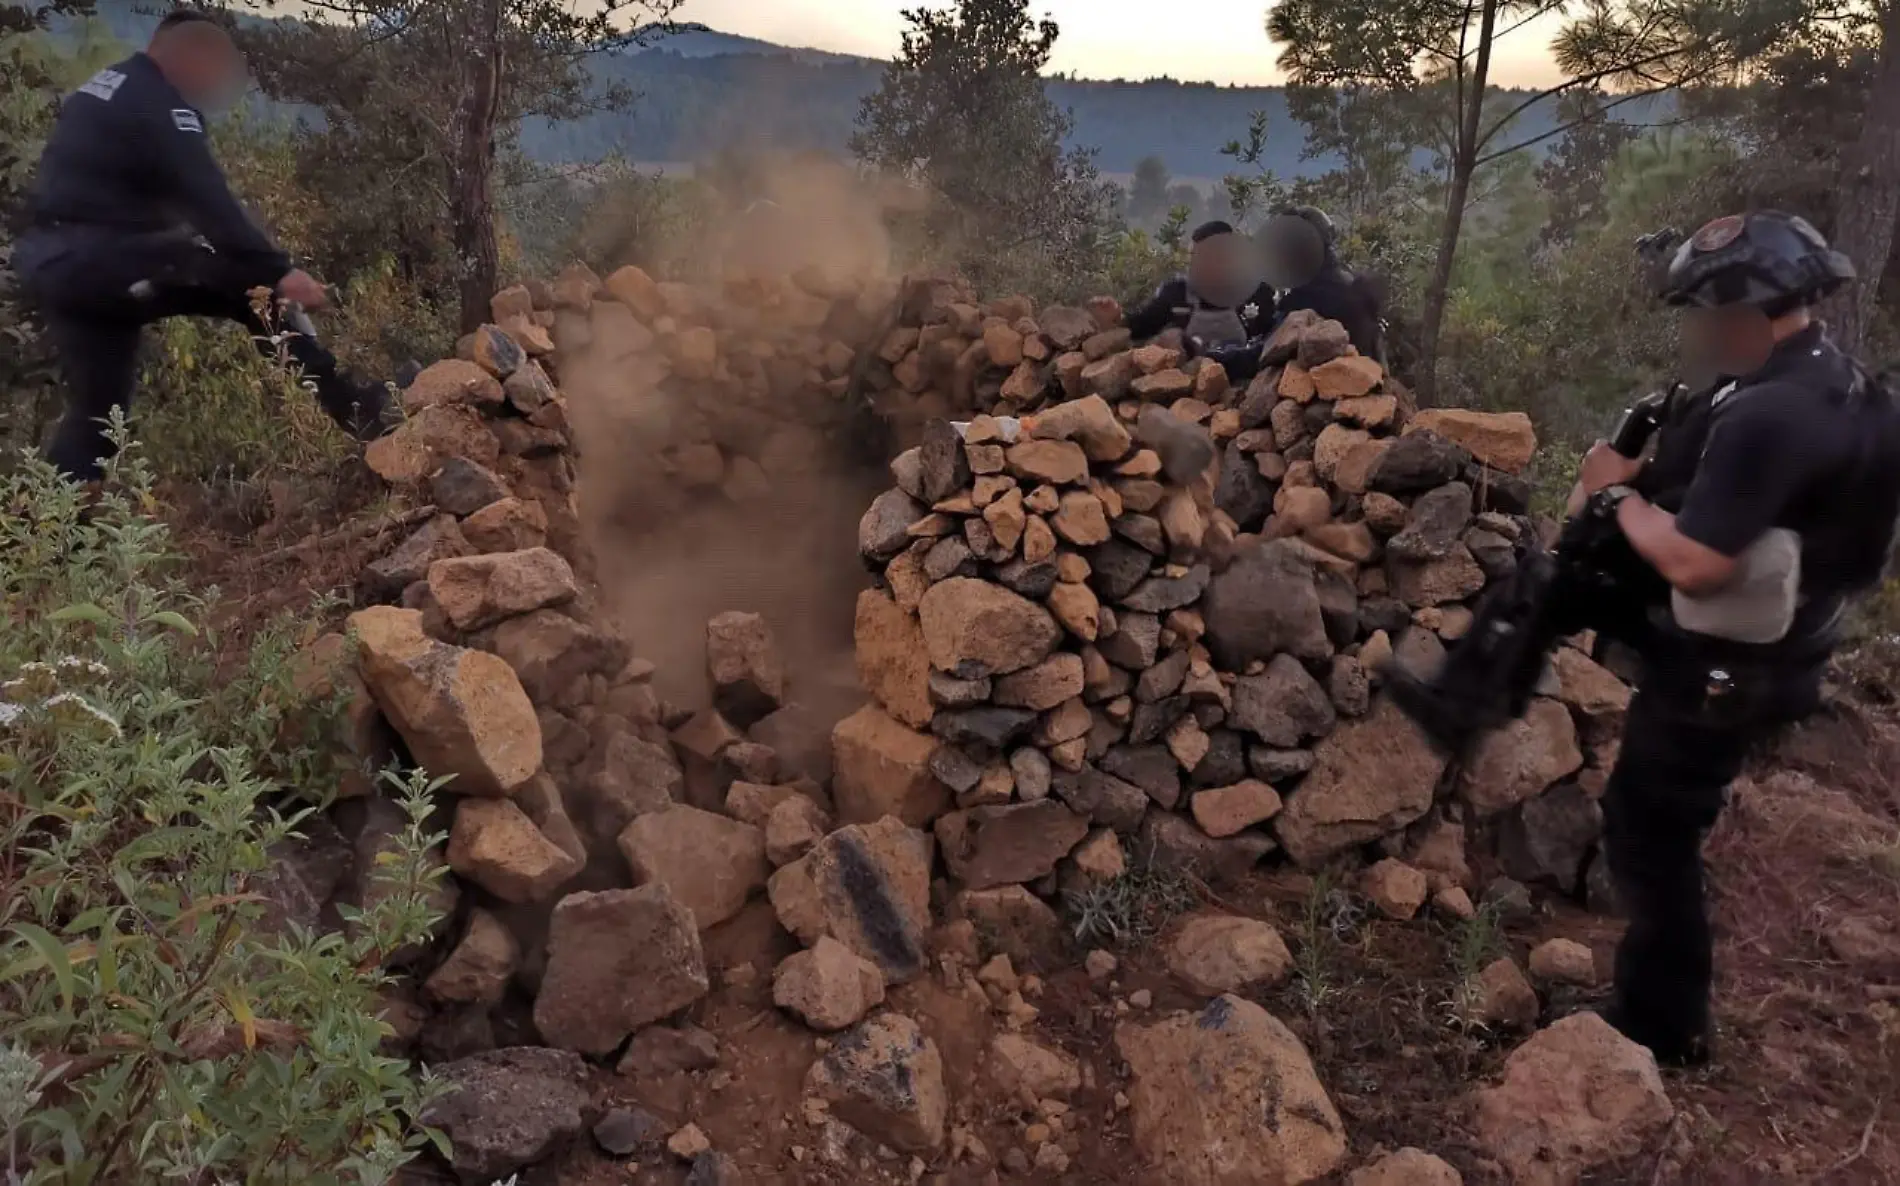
x: 1768, y: 501
x: 132, y: 222
x: 1222, y: 299
x: 1300, y: 256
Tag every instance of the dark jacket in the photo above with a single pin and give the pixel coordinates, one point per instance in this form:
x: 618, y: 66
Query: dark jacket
x: 1174, y: 303
x: 1337, y: 295
x: 129, y: 154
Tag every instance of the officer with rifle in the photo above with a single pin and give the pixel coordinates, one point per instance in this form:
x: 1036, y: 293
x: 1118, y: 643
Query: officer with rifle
x: 1725, y: 557
x: 132, y: 222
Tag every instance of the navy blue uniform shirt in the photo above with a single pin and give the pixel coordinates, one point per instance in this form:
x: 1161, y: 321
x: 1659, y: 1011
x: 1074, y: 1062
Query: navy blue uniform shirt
x: 129, y: 153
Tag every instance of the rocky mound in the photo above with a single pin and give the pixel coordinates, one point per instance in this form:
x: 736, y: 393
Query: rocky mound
x: 1122, y: 611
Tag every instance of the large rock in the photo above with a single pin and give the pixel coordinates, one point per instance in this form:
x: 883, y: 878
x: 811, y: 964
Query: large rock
x: 884, y: 531
x: 1231, y: 810
x: 438, y: 539
x: 1576, y: 1096
x: 478, y: 591
x: 1549, y: 838
x: 507, y: 1109
x: 748, y: 677
x: 1264, y: 603
x: 868, y: 887
x: 973, y: 628
x: 1220, y: 953
x: 885, y: 1079
x: 711, y: 864
x: 882, y: 768
x: 1228, y: 1097
x: 617, y: 961
x: 893, y: 665
x: 633, y: 776
x: 1501, y: 440
x: 461, y: 712
x: 478, y: 970
x: 1370, y: 777
x: 1042, y: 686
x: 1454, y: 576
x: 1415, y: 462
x: 828, y: 986
x: 1522, y: 759
x: 1102, y: 798
x: 495, y: 845
x: 1089, y: 422
x: 1014, y: 844
x: 551, y: 653
x: 452, y: 381
x: 1282, y: 706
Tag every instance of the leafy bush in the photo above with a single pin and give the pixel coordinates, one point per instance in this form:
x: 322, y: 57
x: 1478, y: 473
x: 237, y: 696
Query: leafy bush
x: 156, y: 1021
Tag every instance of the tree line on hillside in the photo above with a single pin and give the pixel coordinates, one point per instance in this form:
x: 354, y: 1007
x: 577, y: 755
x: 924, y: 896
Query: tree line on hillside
x: 1502, y: 233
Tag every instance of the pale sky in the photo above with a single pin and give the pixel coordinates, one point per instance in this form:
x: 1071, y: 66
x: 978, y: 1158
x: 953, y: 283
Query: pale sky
x: 1222, y: 41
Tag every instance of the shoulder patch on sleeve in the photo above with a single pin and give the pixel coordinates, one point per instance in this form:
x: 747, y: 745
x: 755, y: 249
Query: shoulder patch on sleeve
x: 103, y: 85
x: 186, y: 120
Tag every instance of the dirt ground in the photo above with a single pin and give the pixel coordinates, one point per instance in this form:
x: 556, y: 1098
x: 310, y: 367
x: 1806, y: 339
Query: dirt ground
x: 1805, y: 886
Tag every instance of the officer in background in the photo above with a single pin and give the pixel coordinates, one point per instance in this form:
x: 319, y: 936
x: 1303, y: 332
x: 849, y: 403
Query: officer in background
x: 132, y: 222
x: 1768, y: 501
x: 1222, y: 299
x: 1299, y: 255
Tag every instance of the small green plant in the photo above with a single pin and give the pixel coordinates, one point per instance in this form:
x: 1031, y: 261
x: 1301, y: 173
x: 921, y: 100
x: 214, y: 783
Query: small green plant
x: 154, y: 1025
x: 1330, y: 916
x: 1476, y: 942
x: 1130, y: 910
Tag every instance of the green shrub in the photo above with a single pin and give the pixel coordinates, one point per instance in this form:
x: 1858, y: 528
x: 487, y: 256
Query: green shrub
x: 211, y: 408
x: 155, y: 1024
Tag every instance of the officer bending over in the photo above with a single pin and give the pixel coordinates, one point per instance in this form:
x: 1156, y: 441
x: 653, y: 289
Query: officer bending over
x: 1221, y: 300
x: 1768, y: 501
x: 132, y: 222
x: 1300, y: 255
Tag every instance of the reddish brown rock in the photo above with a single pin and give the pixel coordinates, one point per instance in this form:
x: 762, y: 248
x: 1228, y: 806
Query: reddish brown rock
x: 617, y: 961
x: 495, y: 845
x: 461, y: 712
x: 748, y: 677
x: 1228, y: 811
x: 868, y: 887
x: 1370, y: 777
x: 710, y: 864
x: 1217, y: 953
x: 987, y: 847
x: 1394, y: 888
x: 1501, y: 440
x: 1228, y: 1097
x: 1575, y: 1097
x: 478, y: 591
x: 885, y: 1079
x: 828, y: 987
x: 974, y: 628
x: 881, y: 767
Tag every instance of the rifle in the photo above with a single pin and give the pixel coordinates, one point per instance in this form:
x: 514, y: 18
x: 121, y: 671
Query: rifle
x: 1591, y: 579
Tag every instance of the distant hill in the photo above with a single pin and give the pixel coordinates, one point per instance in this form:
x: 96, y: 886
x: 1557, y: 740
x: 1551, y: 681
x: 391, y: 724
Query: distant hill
x: 702, y: 91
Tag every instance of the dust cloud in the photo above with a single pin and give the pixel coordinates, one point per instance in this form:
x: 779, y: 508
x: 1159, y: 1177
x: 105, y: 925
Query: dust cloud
x: 767, y: 522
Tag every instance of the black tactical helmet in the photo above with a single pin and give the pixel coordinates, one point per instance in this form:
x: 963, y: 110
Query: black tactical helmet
x: 1321, y: 221
x: 1773, y: 261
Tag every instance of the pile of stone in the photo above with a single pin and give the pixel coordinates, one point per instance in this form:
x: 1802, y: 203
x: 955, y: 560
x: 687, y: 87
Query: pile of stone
x: 1122, y: 610
x: 1081, y: 637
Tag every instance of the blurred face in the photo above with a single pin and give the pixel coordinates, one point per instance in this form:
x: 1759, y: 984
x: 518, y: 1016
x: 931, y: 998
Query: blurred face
x: 1212, y: 263
x: 1732, y: 341
x: 205, y: 66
